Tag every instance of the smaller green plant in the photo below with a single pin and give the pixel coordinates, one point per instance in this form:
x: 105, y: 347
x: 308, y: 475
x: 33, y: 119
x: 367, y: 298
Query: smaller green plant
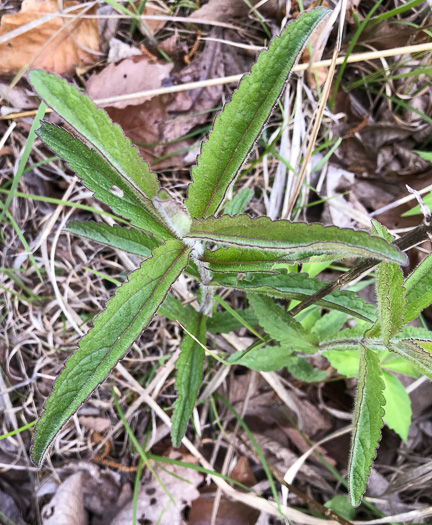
x: 233, y: 251
x: 370, y: 351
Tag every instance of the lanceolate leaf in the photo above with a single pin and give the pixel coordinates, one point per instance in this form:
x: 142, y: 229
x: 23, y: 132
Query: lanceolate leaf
x: 417, y: 351
x: 96, y: 128
x: 99, y: 177
x: 238, y: 126
x: 278, y: 324
x: 126, y: 315
x: 391, y: 299
x: 297, y: 237
x: 189, y: 375
x: 298, y: 286
x: 390, y: 293
x: 418, y: 287
x: 131, y: 241
x: 367, y: 423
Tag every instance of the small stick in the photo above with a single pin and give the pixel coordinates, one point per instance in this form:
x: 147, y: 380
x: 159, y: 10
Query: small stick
x: 411, y: 239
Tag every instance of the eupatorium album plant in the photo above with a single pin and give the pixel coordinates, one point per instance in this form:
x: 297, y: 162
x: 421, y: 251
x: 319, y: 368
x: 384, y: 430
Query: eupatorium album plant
x: 220, y: 250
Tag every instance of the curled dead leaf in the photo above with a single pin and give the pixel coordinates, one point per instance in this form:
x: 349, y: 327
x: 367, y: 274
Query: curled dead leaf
x: 57, y: 45
x: 67, y: 506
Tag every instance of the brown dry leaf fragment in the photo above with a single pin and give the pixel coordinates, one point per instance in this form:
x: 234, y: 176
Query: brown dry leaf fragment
x: 129, y: 76
x: 243, y: 473
x: 153, y: 503
x: 153, y: 25
x: 98, y: 424
x: 38, y: 47
x: 226, y: 10
x: 155, y: 124
x: 17, y: 97
x: 67, y: 506
x: 118, y: 50
x: 229, y: 512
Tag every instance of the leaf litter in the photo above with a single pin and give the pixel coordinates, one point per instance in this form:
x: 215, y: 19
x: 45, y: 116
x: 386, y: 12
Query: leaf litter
x: 378, y: 155
x: 56, y: 45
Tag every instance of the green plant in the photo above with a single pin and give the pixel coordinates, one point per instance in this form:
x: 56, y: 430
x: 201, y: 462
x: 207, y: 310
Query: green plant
x: 239, y: 252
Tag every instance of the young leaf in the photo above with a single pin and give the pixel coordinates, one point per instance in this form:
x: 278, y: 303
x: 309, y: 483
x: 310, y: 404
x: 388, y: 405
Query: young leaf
x: 298, y: 287
x: 238, y: 126
x: 367, y: 424
x: 173, y: 309
x: 173, y: 212
x: 224, y: 322
x: 279, y: 325
x: 303, y: 371
x: 189, y: 375
x: 293, y: 237
x: 398, y: 405
x: 390, y: 294
x: 99, y: 177
x: 418, y: 352
x: 270, y: 358
x: 239, y: 202
x: 96, y: 128
x: 418, y: 287
x: 131, y: 241
x: 345, y: 360
x: 126, y: 315
x: 263, y: 359
x: 329, y: 324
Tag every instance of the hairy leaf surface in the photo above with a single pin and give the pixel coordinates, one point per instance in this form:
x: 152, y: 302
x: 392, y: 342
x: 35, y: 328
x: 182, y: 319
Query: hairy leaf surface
x: 390, y: 294
x: 189, y: 375
x: 298, y: 286
x: 278, y: 324
x: 367, y: 424
x: 99, y: 177
x: 96, y: 128
x: 238, y: 126
x: 418, y: 287
x: 244, y: 260
x: 131, y: 241
x: 126, y: 315
x: 293, y: 237
x: 417, y: 351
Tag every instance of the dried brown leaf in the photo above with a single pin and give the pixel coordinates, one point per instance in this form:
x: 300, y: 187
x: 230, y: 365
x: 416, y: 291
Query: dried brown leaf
x: 67, y: 506
x: 129, y: 76
x: 153, y: 503
x: 226, y: 10
x: 157, y: 125
x: 41, y: 46
x: 229, y: 512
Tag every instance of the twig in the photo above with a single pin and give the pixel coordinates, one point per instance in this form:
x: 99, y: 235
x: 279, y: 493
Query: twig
x: 416, y: 236
x: 353, y: 58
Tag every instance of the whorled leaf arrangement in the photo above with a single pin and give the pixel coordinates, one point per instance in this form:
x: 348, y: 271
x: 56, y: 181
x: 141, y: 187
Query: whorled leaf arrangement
x: 174, y: 237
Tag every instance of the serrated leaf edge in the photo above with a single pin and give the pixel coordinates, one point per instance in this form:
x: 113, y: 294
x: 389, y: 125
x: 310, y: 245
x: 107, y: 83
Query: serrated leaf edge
x: 276, y: 37
x: 140, y: 204
x: 354, y: 432
x: 268, y: 221
x: 85, y: 140
x: 91, y: 323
